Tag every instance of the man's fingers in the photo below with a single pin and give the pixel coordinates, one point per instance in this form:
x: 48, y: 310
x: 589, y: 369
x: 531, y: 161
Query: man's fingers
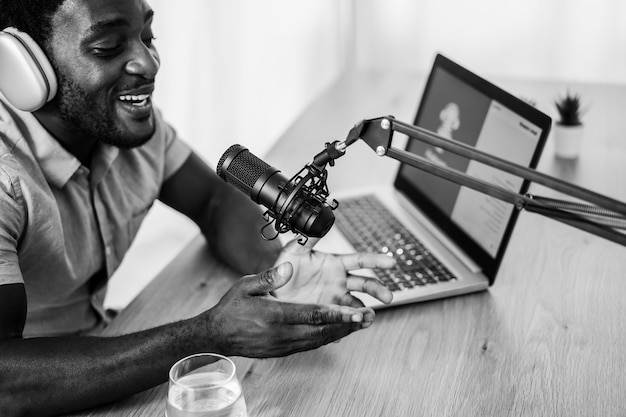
x: 366, y: 260
x: 327, y: 314
x: 370, y: 286
x: 350, y: 300
x: 268, y: 280
x: 316, y: 336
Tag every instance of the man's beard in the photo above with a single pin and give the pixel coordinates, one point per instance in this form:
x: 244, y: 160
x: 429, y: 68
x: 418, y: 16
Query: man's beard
x: 93, y: 118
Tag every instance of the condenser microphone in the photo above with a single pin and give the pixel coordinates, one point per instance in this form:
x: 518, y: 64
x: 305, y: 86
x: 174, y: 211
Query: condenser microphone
x: 298, y: 204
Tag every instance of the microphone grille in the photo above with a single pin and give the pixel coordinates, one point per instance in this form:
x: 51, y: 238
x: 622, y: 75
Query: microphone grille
x: 243, y: 166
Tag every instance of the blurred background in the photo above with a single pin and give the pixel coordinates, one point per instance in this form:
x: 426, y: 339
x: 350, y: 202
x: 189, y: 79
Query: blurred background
x: 240, y: 71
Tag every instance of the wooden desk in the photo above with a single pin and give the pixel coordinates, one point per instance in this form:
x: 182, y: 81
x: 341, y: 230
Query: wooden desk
x: 547, y: 339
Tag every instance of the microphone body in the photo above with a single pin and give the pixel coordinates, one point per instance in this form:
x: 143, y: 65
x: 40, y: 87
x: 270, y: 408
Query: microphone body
x: 293, y: 203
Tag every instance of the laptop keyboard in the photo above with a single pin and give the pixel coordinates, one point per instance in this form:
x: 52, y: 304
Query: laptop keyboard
x: 370, y: 227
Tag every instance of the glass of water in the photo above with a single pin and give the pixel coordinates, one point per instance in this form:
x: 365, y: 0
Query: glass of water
x: 205, y: 385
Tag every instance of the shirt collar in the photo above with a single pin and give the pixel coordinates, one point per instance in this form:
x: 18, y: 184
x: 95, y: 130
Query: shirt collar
x: 57, y: 164
x: 102, y: 161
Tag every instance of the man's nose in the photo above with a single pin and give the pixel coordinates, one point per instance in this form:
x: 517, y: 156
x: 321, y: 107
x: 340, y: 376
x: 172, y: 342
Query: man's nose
x: 145, y: 62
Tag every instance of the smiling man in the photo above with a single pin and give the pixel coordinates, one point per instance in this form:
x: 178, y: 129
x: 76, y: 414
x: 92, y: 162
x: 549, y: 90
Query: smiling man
x: 95, y: 102
x: 79, y: 173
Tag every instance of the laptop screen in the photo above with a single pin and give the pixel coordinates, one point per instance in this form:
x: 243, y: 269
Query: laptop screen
x: 459, y: 105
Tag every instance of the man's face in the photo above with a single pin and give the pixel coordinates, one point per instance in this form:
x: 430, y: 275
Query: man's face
x: 106, y: 65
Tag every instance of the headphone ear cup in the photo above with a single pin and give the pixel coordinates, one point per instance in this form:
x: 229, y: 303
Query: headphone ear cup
x: 27, y: 79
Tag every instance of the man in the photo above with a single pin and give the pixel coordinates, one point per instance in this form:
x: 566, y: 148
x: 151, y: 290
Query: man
x: 78, y: 175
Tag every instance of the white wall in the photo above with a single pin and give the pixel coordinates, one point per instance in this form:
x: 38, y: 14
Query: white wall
x: 239, y: 71
x: 581, y: 40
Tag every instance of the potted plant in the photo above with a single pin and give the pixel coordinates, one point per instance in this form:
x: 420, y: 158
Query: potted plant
x: 569, y: 129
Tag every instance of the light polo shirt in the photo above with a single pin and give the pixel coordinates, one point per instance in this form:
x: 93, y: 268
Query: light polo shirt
x: 64, y: 228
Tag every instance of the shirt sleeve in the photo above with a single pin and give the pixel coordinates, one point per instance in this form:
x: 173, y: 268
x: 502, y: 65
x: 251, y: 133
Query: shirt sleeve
x: 11, y: 224
x: 176, y: 151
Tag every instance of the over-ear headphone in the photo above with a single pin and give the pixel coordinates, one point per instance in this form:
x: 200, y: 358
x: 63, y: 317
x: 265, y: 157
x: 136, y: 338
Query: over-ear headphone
x: 27, y: 79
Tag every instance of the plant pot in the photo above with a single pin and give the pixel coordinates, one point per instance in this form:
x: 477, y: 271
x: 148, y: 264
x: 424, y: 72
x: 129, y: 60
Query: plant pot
x: 567, y: 140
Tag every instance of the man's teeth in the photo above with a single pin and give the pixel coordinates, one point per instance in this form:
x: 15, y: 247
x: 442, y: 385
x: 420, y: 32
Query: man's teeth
x: 138, y: 100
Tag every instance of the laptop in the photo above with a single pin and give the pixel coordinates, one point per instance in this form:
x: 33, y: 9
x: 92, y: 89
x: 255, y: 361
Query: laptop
x: 448, y: 240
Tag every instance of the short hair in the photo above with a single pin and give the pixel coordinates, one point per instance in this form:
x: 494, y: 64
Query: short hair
x: 31, y: 16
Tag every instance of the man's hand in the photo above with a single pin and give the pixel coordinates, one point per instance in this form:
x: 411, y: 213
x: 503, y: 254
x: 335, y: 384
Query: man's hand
x: 250, y: 321
x: 325, y: 278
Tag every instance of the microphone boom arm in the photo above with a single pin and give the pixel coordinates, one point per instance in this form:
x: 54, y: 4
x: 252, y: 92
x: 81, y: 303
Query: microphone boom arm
x: 604, y: 217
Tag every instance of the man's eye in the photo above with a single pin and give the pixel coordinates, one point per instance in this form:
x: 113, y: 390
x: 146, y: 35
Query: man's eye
x: 107, y: 50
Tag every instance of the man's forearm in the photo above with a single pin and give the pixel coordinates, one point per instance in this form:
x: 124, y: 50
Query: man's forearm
x: 232, y: 226
x: 229, y: 219
x: 49, y: 376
